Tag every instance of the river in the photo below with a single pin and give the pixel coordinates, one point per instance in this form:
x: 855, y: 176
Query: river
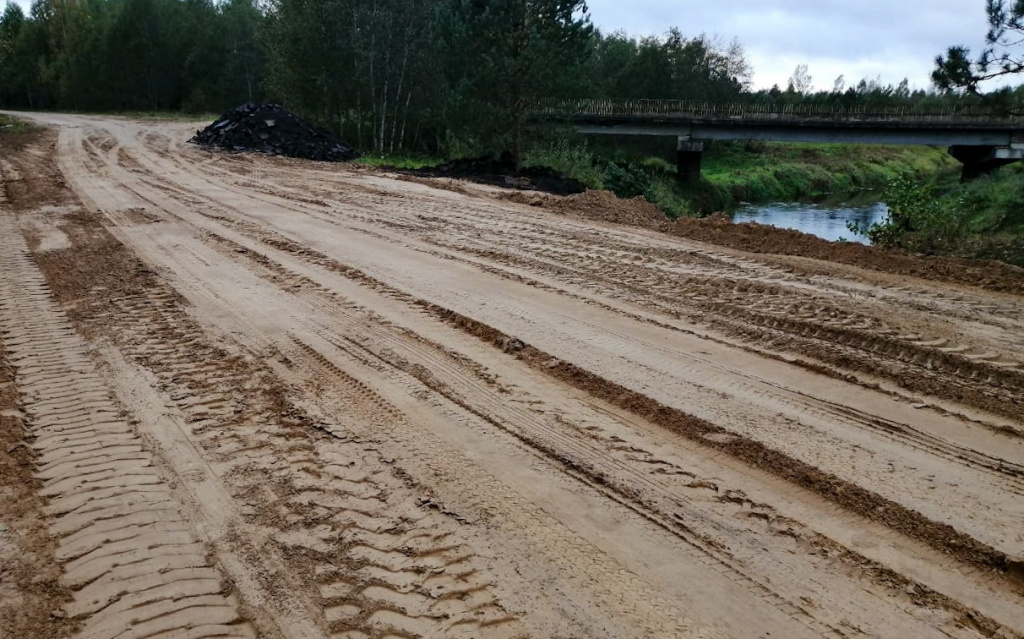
x: 827, y: 221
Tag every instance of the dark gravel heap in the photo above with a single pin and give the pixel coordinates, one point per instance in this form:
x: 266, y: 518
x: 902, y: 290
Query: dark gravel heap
x: 270, y: 128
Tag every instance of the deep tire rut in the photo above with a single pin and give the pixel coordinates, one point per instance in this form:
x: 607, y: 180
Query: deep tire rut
x: 134, y: 564
x: 364, y: 551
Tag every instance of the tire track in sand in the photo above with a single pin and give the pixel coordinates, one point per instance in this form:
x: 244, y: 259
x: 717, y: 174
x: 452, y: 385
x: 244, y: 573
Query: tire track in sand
x: 355, y: 548
x: 134, y: 564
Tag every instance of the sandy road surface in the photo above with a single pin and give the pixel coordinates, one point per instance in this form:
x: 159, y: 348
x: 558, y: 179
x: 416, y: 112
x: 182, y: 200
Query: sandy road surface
x: 277, y: 398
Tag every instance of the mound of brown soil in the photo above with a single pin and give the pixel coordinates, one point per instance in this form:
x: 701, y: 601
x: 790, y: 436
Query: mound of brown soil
x: 501, y: 171
x: 758, y: 238
x: 603, y: 206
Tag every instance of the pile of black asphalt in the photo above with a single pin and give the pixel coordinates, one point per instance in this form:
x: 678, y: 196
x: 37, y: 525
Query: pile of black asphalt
x: 271, y: 128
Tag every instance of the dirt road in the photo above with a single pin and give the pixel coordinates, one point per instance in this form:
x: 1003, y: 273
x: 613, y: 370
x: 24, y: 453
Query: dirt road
x: 275, y: 398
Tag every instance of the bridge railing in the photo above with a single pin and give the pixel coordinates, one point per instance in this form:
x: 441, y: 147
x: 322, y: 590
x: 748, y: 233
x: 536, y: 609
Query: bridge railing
x: 684, y: 109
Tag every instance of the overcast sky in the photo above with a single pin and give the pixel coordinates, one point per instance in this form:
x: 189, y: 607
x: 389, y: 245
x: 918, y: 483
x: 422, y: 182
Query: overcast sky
x: 894, y: 39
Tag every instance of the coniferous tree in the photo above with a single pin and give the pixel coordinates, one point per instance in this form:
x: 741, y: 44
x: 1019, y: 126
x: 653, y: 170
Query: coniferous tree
x: 514, y: 53
x: 1002, y: 55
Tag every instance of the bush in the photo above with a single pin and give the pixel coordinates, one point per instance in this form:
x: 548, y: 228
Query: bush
x: 659, y: 165
x: 10, y: 124
x: 627, y: 181
x: 983, y: 219
x: 919, y: 219
x: 570, y: 158
x: 670, y: 195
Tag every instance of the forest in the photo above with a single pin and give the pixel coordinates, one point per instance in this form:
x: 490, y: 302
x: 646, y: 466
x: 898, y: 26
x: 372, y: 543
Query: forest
x: 437, y: 77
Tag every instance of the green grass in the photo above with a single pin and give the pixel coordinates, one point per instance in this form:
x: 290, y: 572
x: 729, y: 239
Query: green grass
x: 400, y: 161
x: 167, y: 116
x: 992, y: 209
x: 981, y: 219
x: 11, y: 124
x: 761, y: 172
x: 164, y: 116
x: 570, y: 158
x: 734, y: 172
x: 994, y: 203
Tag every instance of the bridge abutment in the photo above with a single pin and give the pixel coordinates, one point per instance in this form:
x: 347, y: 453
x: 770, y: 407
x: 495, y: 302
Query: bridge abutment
x: 689, y: 153
x: 979, y: 160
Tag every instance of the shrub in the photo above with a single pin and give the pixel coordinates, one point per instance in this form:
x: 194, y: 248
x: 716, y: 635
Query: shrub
x: 627, y: 180
x: 570, y: 158
x: 919, y: 219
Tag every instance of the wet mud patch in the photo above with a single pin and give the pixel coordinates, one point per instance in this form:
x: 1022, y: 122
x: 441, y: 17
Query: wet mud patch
x: 32, y: 179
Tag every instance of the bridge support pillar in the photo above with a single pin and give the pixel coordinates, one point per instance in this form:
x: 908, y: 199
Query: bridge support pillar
x: 688, y: 158
x: 979, y: 160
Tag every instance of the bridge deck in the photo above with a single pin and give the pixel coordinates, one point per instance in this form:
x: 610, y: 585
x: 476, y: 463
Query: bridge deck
x: 982, y: 140
x: 791, y: 123
x: 676, y: 111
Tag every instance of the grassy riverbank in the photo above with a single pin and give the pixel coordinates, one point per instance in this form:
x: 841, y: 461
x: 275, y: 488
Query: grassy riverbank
x: 983, y: 219
x: 932, y: 212
x: 755, y: 172
x: 762, y: 172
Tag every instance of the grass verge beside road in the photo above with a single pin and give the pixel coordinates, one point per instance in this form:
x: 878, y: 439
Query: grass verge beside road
x: 11, y: 124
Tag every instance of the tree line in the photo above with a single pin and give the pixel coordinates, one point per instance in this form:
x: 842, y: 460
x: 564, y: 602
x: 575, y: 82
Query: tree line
x: 437, y: 76
x: 872, y: 93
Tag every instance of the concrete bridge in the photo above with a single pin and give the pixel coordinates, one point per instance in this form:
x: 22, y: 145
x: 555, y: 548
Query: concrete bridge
x: 980, y: 140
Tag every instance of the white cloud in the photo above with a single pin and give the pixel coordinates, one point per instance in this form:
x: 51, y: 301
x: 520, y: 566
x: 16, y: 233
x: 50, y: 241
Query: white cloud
x: 893, y: 39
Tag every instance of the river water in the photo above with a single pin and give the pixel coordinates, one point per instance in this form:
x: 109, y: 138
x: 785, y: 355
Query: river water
x: 824, y: 220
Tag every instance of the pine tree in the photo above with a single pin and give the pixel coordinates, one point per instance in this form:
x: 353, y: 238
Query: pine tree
x: 514, y: 53
x: 1002, y: 55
